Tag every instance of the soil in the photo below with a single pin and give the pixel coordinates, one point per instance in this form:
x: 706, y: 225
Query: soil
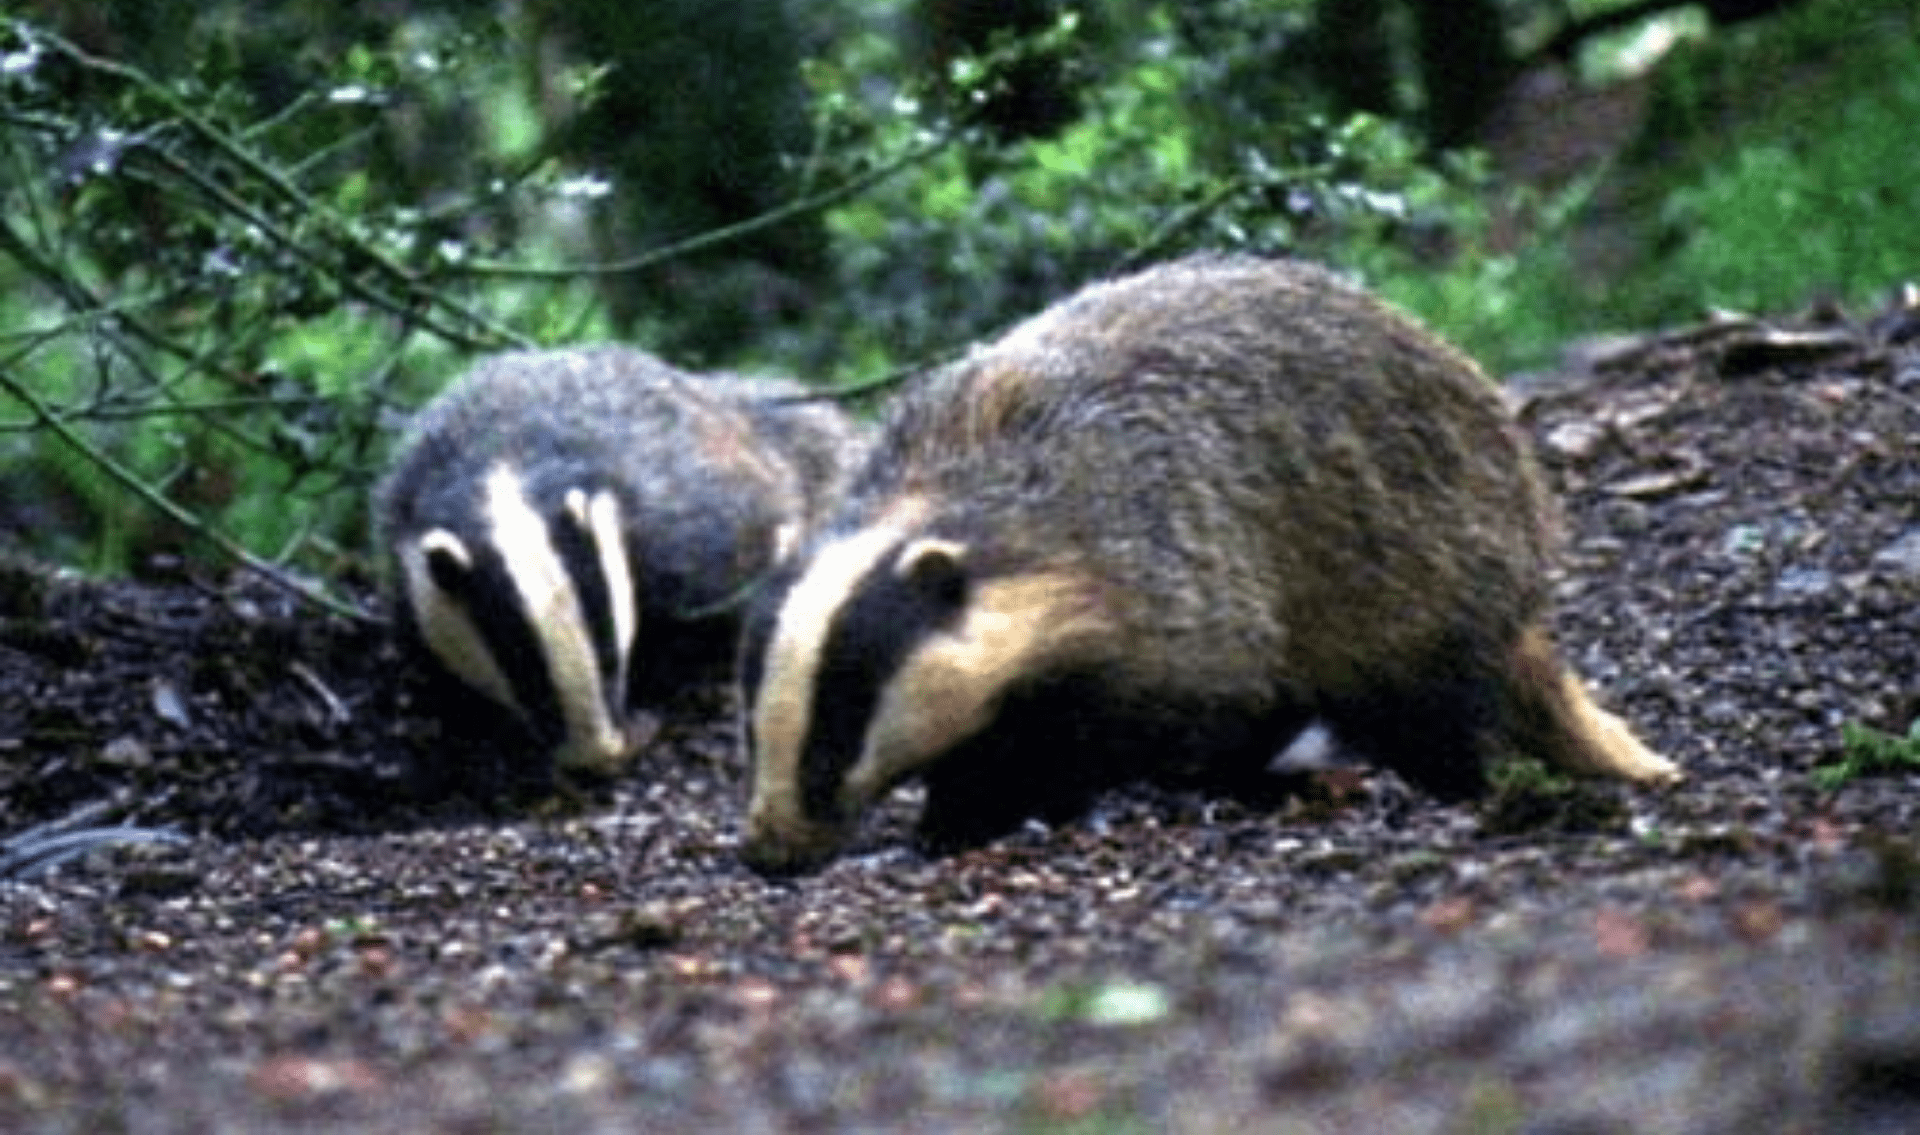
x: 372, y: 916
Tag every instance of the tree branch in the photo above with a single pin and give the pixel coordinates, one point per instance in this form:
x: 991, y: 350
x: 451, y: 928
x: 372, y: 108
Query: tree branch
x: 799, y: 207
x: 135, y: 484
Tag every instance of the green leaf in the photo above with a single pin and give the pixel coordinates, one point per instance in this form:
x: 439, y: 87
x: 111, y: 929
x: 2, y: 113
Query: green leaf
x: 1866, y: 752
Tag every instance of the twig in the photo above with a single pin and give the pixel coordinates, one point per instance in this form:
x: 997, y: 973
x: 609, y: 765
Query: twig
x: 799, y: 207
x: 337, y: 712
x: 225, y: 145
x: 1182, y: 220
x: 136, y: 485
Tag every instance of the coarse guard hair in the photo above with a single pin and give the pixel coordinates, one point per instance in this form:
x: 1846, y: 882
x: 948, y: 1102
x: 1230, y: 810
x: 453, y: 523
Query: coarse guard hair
x: 552, y: 506
x: 1160, y: 528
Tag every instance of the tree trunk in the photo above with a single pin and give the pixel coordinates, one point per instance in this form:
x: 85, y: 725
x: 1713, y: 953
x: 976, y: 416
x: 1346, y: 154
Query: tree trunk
x: 1353, y: 55
x: 1464, y: 65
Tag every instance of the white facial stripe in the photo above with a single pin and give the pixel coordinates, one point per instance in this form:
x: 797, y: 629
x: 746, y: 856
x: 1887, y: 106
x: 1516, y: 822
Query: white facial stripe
x: 782, y: 711
x: 913, y: 553
x: 444, y: 623
x: 553, y: 611
x: 603, y: 520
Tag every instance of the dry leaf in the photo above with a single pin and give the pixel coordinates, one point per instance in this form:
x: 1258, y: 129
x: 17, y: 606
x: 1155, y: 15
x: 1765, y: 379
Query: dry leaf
x: 1618, y: 934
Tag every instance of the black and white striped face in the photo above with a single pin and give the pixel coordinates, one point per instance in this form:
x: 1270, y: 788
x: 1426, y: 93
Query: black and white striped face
x: 886, y: 650
x: 536, y: 611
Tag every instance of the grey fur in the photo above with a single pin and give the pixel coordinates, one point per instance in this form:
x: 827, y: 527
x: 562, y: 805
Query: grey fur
x: 707, y: 471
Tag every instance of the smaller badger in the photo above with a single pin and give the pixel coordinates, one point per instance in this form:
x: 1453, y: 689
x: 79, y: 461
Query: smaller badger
x: 1158, y: 530
x: 552, y: 508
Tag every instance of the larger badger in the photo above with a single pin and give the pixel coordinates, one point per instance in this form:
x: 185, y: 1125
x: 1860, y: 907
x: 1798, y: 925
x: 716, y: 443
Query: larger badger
x: 1161, y: 527
x: 551, y: 506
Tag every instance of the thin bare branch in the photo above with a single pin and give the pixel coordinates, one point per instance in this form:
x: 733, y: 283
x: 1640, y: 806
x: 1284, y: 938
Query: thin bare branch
x: 799, y: 207
x: 153, y: 498
x: 420, y: 295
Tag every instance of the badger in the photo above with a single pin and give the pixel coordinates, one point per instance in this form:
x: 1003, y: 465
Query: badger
x: 550, y: 506
x: 1161, y: 528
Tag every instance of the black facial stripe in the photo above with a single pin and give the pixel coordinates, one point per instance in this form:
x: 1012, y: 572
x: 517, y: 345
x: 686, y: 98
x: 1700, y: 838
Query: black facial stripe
x: 573, y: 542
x: 864, y: 648
x: 492, y: 602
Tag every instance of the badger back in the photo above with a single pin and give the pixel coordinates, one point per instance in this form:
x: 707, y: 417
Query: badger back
x: 1222, y: 483
x: 1262, y: 465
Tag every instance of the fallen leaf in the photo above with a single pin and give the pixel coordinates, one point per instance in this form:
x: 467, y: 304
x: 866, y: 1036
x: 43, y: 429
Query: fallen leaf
x: 1577, y: 440
x: 1696, y: 889
x: 1617, y: 934
x: 850, y: 968
x: 756, y: 992
x: 1072, y: 1094
x: 1126, y: 1003
x: 894, y: 994
x: 1756, y: 921
x: 1450, y: 915
x: 289, y: 1078
x: 1690, y: 471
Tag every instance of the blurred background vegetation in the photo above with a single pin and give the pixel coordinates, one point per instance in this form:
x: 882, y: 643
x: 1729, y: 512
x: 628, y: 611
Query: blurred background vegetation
x: 240, y: 239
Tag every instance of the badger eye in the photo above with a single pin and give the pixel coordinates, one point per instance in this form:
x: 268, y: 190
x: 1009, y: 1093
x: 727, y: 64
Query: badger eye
x: 936, y: 570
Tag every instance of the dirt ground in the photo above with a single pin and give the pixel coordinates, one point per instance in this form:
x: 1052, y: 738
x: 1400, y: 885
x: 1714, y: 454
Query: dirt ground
x: 376, y: 919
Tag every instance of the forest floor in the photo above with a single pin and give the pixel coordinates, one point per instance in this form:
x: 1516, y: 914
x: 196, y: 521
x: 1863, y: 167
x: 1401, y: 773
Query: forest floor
x: 372, y: 922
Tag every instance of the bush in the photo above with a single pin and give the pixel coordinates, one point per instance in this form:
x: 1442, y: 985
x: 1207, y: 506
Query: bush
x: 1176, y: 149
x: 218, y: 312
x: 1786, y: 162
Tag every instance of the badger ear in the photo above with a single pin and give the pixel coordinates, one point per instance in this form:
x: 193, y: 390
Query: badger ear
x: 576, y: 508
x: 448, y: 561
x: 936, y: 569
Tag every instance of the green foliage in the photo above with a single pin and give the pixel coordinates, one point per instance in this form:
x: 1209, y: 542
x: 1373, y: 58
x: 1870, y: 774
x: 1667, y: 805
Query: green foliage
x: 688, y: 109
x: 215, y: 306
x: 1529, y: 797
x: 1175, y: 150
x: 1811, y: 187
x: 1870, y: 752
x: 1743, y: 232
x: 1508, y: 305
x: 1526, y: 774
x: 1776, y: 165
x: 1109, y: 1004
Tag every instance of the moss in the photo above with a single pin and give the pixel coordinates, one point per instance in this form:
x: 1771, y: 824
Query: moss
x: 1528, y: 797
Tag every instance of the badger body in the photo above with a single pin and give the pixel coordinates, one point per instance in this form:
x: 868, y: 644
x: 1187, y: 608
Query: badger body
x: 1160, y: 528
x: 552, y: 510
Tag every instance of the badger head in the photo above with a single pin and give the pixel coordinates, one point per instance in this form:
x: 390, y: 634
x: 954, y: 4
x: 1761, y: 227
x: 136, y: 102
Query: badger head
x: 535, y: 609
x: 873, y: 658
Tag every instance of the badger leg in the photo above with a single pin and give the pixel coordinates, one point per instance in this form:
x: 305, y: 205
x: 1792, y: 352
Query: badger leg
x: 984, y: 790
x: 1548, y: 713
x: 1438, y: 732
x: 1238, y: 760
x: 969, y: 805
x: 1431, y: 733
